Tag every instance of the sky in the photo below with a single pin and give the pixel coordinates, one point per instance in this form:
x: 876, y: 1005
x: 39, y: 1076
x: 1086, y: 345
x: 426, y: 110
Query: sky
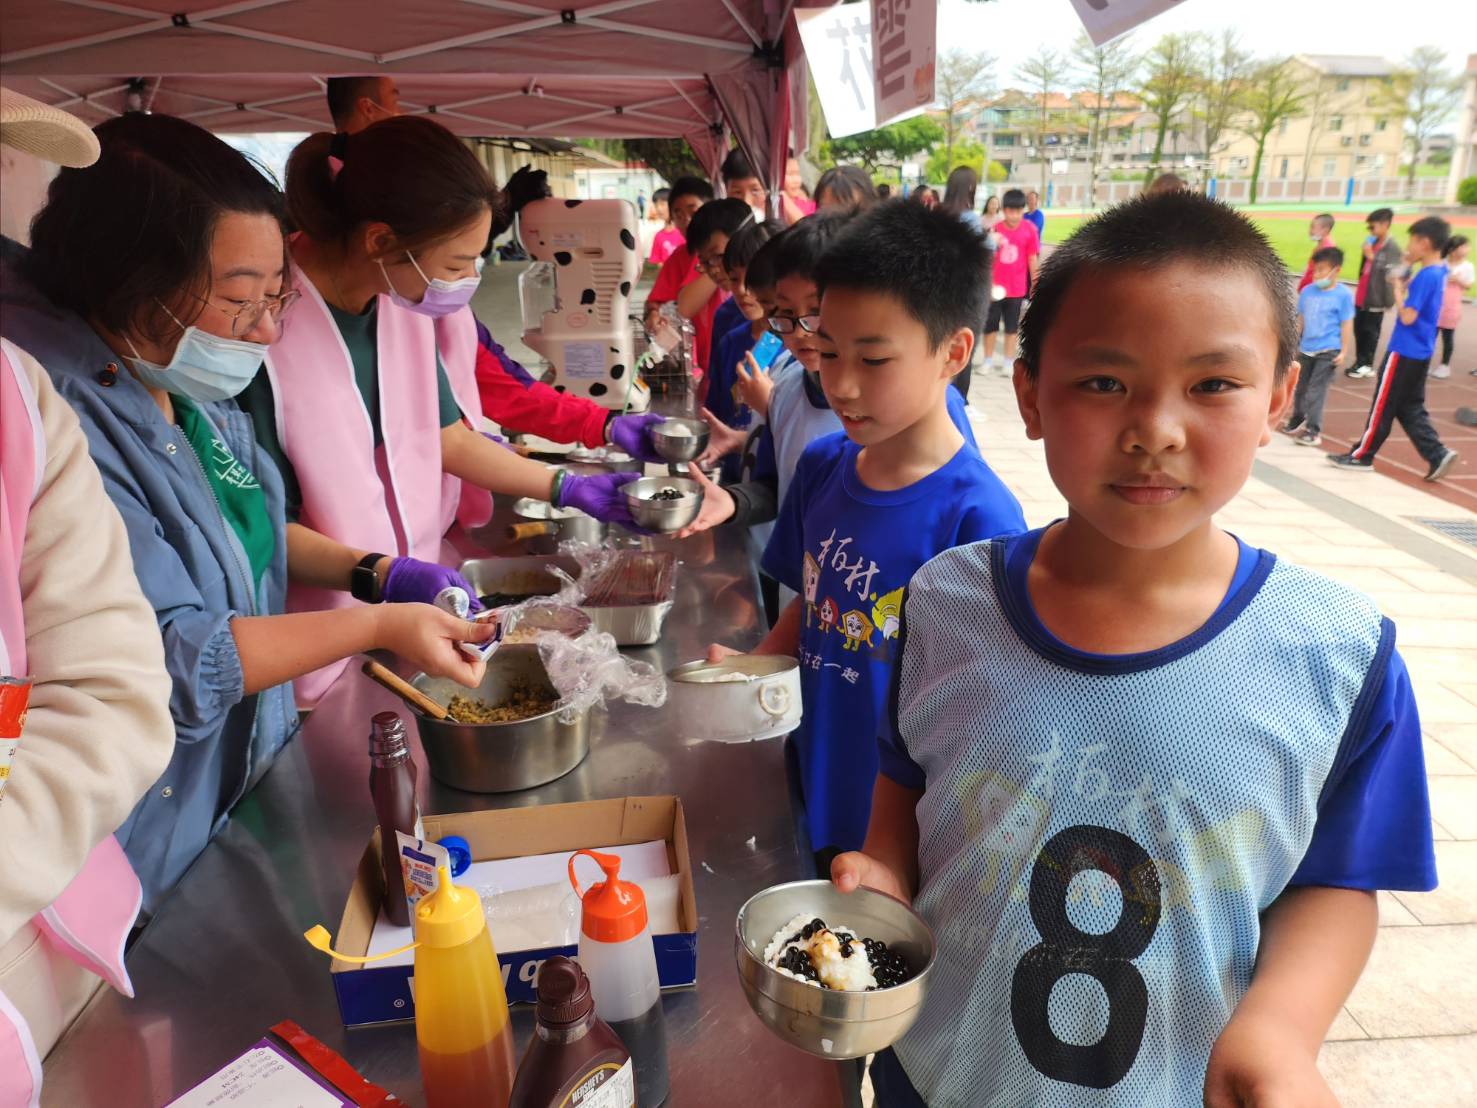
x: 1013, y: 30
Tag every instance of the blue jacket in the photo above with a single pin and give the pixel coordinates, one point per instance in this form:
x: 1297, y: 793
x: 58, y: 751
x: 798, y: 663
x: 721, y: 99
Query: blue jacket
x: 193, y: 570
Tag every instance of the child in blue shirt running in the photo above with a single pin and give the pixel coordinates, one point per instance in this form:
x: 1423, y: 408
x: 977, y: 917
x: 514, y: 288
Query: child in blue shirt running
x: 1400, y: 388
x: 901, y: 291
x: 1141, y: 779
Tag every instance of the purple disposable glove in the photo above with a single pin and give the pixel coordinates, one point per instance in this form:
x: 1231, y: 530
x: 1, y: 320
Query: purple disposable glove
x: 411, y: 581
x: 629, y: 433
x: 599, y: 496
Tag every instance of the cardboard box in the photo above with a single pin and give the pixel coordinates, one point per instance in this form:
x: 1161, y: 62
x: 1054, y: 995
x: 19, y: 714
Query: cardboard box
x: 382, y: 994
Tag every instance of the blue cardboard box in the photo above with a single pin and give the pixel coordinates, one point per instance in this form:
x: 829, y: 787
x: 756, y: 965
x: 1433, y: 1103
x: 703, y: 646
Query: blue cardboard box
x: 382, y: 994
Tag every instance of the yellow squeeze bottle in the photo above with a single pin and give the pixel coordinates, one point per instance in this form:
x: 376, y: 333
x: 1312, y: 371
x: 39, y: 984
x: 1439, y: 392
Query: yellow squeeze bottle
x: 461, y: 1010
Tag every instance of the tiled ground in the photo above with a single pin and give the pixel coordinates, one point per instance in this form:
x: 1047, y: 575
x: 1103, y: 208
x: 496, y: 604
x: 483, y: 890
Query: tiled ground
x: 1408, y: 1035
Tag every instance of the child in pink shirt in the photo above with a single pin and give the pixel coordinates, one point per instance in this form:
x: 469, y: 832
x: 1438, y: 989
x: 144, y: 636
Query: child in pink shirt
x: 1017, y: 254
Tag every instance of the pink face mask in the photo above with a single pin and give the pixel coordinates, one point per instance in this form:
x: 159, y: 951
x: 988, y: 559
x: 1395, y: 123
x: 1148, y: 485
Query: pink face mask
x: 441, y: 297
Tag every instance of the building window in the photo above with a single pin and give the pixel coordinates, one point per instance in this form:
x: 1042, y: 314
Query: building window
x: 1004, y: 140
x: 1347, y: 140
x: 1364, y: 140
x: 1282, y: 171
x: 1336, y: 123
x: 1282, y: 126
x: 1381, y: 124
x: 1330, y: 167
x: 1343, y: 85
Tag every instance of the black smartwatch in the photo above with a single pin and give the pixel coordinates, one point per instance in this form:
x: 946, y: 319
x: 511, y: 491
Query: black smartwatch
x: 364, y: 583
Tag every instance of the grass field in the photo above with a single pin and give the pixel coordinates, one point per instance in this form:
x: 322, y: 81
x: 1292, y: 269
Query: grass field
x: 1289, y: 237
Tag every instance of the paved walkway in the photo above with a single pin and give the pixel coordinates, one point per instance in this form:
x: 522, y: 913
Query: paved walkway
x: 1408, y: 1035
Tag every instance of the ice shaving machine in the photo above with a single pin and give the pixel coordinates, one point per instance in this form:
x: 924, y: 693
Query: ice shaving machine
x: 576, y: 296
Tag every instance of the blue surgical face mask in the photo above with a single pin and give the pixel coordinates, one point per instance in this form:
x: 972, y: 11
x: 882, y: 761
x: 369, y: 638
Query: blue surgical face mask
x: 204, y: 367
x: 1325, y: 282
x: 442, y: 297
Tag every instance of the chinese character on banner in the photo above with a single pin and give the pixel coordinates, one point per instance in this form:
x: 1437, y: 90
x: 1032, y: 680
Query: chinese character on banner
x: 838, y: 50
x: 903, y: 48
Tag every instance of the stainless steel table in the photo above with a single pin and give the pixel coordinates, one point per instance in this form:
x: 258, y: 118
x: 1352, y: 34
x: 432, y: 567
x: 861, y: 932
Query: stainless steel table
x: 224, y: 959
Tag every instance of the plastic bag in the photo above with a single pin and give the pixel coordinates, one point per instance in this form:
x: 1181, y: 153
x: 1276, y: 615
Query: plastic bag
x: 589, y: 670
x: 586, y: 669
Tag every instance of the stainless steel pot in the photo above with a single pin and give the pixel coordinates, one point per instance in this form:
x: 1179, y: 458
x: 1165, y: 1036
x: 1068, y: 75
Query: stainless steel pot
x: 739, y: 699
x: 500, y: 757
x: 538, y: 517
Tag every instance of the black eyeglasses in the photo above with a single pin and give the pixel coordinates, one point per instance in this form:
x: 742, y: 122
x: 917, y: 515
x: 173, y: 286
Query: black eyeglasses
x: 786, y: 324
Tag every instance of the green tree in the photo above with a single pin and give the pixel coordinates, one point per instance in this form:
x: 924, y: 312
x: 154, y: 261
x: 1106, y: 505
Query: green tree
x: 1101, y: 72
x: 962, y: 78
x: 1426, y: 94
x: 886, y: 146
x: 1044, y: 72
x: 1169, y: 83
x: 1274, y: 92
x: 967, y: 151
x: 1222, y: 71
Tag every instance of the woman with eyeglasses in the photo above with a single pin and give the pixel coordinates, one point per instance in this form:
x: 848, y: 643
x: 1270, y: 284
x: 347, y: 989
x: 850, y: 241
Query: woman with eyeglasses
x: 155, y: 281
x: 369, y: 401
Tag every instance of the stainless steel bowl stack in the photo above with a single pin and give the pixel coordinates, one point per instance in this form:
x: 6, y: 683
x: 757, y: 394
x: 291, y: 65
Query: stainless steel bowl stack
x: 679, y: 447
x: 501, y: 757
x: 825, y: 1022
x: 663, y: 516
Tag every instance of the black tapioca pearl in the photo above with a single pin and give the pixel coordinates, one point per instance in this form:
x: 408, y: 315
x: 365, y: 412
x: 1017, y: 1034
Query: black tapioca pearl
x: 846, y: 949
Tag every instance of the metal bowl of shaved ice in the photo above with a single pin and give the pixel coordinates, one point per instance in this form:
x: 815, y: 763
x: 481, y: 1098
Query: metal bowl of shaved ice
x: 828, y: 1022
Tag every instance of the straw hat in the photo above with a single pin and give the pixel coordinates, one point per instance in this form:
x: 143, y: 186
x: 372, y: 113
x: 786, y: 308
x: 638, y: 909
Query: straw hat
x: 46, y: 132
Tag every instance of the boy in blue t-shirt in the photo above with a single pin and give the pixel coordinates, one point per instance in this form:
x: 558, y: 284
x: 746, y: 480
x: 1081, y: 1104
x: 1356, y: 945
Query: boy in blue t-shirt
x: 1141, y: 779
x: 725, y: 402
x: 901, y: 291
x: 1400, y: 388
x: 1327, y: 311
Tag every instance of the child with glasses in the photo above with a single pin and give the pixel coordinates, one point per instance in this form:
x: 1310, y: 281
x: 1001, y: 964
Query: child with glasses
x: 899, y: 293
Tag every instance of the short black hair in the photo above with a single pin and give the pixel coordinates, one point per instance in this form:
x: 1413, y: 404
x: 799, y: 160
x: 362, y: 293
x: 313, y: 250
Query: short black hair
x: 126, y: 241
x: 1324, y: 219
x: 343, y: 96
x: 660, y: 194
x: 847, y: 187
x: 797, y: 250
x: 1453, y: 244
x: 1380, y: 215
x: 690, y: 186
x: 1328, y: 255
x: 929, y: 259
x: 1013, y: 198
x: 744, y: 243
x: 1148, y: 233
x: 1433, y: 229
x: 736, y: 167
x: 723, y: 215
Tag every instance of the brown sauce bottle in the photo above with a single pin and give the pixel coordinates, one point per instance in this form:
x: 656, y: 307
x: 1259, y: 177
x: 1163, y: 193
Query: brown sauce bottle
x: 574, y: 1059
x: 392, y: 781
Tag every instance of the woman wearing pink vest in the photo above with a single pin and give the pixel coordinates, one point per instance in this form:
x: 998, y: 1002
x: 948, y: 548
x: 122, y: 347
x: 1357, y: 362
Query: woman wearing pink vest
x: 369, y: 403
x: 96, y: 737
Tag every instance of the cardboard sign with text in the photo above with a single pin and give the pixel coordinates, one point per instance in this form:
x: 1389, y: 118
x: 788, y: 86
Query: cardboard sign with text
x: 904, y: 42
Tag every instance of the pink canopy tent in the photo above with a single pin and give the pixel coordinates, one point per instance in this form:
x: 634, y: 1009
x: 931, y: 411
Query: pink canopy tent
x: 618, y: 68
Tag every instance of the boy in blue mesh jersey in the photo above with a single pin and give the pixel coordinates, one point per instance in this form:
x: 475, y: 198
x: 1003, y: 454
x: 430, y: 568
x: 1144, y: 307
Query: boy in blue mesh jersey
x: 1142, y: 779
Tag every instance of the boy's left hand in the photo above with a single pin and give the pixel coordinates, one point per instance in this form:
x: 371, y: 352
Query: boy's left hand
x: 1345, y: 359
x: 1258, y: 1064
